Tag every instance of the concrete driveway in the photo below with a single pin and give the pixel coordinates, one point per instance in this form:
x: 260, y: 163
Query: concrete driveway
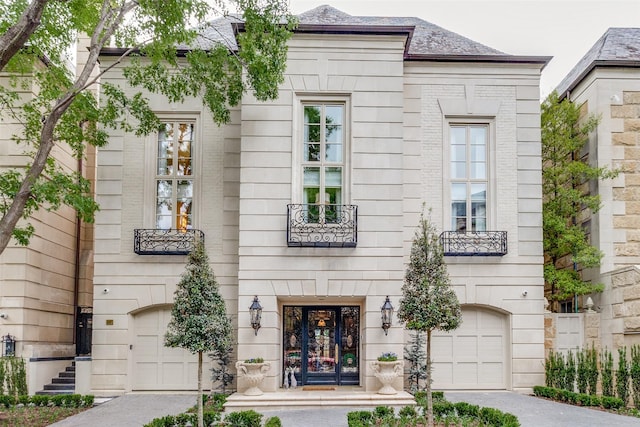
x: 135, y: 410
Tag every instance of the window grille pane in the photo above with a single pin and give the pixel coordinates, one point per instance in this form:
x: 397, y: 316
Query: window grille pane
x: 311, y: 177
x: 458, y: 153
x: 185, y: 146
x: 478, y: 135
x: 164, y: 205
x: 478, y: 170
x: 333, y: 177
x: 458, y: 135
x: 333, y: 153
x: 165, y: 149
x: 458, y: 170
x: 312, y: 152
x: 334, y: 114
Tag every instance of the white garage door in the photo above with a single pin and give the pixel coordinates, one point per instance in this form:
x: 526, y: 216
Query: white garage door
x: 475, y: 355
x: 156, y: 367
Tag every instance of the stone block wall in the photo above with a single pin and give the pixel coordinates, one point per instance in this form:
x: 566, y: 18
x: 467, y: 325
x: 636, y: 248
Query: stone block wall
x: 627, y: 141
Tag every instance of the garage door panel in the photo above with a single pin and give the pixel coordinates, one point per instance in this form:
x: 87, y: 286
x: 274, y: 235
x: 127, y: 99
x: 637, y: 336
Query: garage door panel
x: 442, y: 373
x: 441, y: 348
x: 493, y: 349
x: 475, y: 355
x: 156, y: 367
x: 491, y: 373
x: 465, y: 373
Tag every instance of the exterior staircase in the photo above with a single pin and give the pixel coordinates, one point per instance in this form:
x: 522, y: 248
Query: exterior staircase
x: 65, y: 383
x: 300, y: 399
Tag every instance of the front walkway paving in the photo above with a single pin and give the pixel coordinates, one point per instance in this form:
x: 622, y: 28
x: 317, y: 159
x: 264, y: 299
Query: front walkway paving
x: 536, y: 412
x: 135, y: 410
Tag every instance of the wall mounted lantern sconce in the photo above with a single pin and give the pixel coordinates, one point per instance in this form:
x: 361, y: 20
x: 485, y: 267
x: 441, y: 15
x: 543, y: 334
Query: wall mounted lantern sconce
x: 256, y: 314
x: 387, y: 315
x: 8, y: 345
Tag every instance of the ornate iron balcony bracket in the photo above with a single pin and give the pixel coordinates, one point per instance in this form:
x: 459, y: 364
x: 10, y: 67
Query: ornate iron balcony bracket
x: 474, y: 243
x: 322, y: 226
x: 165, y: 242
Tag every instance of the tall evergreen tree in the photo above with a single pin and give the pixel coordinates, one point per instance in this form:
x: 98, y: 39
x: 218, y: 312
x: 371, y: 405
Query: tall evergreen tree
x: 428, y: 302
x: 566, y: 197
x: 199, y: 321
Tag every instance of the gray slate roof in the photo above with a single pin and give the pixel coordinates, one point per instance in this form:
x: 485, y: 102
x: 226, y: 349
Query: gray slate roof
x: 428, y: 39
x: 617, y: 47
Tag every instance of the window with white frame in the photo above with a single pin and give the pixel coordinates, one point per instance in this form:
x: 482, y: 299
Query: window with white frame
x: 174, y: 180
x: 468, y: 176
x: 323, y: 161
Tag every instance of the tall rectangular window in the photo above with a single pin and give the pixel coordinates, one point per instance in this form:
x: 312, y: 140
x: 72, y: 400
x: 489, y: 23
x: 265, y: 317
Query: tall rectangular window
x: 323, y: 161
x: 174, y: 176
x: 469, y: 176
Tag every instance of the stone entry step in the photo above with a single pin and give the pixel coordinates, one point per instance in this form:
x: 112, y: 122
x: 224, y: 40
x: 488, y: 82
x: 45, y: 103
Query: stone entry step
x: 300, y: 399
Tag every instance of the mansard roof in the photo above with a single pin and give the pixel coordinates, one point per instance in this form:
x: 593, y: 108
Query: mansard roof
x: 426, y: 41
x: 618, y: 47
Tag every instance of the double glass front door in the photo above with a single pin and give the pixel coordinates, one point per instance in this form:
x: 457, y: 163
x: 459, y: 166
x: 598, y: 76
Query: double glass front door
x: 321, y: 344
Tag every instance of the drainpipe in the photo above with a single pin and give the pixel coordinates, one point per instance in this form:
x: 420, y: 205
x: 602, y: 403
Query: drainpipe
x: 76, y: 273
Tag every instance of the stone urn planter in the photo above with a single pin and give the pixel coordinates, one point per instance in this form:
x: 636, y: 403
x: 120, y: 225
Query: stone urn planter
x: 386, y: 373
x: 253, y: 373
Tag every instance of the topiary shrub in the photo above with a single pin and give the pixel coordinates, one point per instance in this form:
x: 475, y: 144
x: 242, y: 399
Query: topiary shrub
x: 465, y: 409
x: 248, y: 418
x: 360, y: 419
x: 273, y: 422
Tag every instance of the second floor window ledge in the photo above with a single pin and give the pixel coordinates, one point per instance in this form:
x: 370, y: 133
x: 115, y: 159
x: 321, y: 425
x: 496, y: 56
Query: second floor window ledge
x: 474, y: 243
x: 322, y: 225
x: 165, y: 241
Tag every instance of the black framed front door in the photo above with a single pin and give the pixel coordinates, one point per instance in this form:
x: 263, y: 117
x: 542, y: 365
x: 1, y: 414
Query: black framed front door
x: 321, y: 344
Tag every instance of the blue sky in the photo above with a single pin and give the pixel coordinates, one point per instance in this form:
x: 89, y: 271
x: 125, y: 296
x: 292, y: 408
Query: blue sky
x: 564, y: 29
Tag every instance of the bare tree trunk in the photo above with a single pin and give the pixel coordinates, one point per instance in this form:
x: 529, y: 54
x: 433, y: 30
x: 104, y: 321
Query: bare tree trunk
x: 429, y: 394
x: 200, y: 409
x: 17, y: 35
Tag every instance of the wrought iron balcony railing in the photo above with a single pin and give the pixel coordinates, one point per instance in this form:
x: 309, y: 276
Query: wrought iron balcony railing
x: 474, y: 243
x: 325, y: 226
x: 165, y: 242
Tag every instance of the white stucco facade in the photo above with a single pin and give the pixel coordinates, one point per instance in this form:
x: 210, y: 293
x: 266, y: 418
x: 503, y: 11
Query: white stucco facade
x: 395, y: 162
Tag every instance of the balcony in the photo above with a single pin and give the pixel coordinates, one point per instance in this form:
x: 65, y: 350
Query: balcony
x: 322, y: 226
x: 474, y: 243
x: 165, y: 242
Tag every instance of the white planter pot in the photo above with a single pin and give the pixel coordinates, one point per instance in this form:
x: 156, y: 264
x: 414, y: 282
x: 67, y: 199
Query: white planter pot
x: 253, y: 373
x: 386, y: 373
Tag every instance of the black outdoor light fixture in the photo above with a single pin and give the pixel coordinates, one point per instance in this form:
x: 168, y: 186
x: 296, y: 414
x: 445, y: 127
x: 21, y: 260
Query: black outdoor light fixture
x: 256, y: 314
x: 387, y: 315
x: 9, y: 345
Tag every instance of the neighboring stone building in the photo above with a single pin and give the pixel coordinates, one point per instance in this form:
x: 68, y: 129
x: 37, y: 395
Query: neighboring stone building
x: 310, y: 202
x: 46, y: 288
x: 606, y: 82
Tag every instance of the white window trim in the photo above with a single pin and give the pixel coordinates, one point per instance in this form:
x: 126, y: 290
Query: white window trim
x: 492, y: 207
x: 300, y: 101
x: 149, y: 181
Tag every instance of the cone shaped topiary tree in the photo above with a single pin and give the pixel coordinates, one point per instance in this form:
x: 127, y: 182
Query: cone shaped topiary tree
x: 428, y: 302
x: 199, y: 321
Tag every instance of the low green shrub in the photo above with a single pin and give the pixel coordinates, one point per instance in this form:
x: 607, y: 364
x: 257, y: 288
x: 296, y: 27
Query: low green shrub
x: 384, y: 412
x: 443, y: 408
x: 248, y: 418
x: 408, y: 412
x: 465, y: 409
x: 606, y: 402
x: 360, y: 419
x: 609, y: 402
x: 495, y: 417
x: 273, y: 422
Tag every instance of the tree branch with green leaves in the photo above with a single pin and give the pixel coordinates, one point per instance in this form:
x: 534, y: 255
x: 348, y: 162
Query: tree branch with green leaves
x: 567, y: 180
x: 34, y: 52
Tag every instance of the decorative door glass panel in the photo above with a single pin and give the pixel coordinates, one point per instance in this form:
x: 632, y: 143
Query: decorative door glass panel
x: 292, y: 340
x: 349, y: 333
x: 321, y: 347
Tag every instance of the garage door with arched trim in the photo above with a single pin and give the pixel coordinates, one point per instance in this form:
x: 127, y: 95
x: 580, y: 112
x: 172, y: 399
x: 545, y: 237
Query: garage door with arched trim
x: 474, y: 356
x: 156, y: 367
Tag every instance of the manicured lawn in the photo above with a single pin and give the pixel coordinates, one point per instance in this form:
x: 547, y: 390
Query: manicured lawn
x: 35, y: 416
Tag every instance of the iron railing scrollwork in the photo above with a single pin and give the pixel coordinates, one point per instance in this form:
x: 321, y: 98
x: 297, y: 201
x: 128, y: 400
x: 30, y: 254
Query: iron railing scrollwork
x: 165, y: 242
x: 322, y: 225
x: 474, y: 243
